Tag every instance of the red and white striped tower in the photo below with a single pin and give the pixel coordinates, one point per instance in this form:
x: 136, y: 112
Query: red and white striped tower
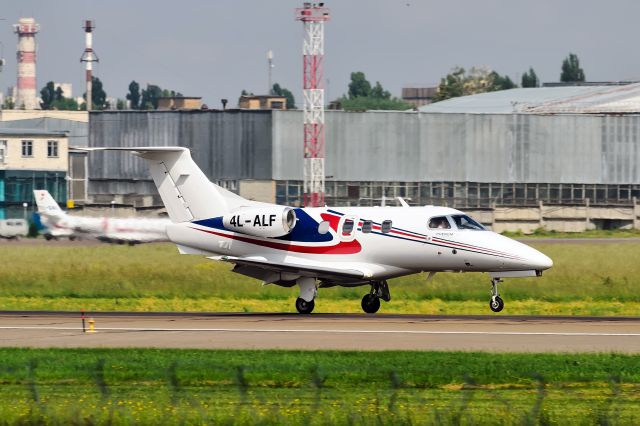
x: 89, y: 57
x: 313, y: 16
x: 26, y: 28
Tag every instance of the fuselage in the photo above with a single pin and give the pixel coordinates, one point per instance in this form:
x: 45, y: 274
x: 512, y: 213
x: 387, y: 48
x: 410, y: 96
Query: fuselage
x: 108, y: 229
x: 385, y: 241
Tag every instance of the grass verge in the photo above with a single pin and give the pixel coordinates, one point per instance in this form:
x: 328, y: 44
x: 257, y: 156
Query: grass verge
x: 587, y: 279
x: 123, y: 386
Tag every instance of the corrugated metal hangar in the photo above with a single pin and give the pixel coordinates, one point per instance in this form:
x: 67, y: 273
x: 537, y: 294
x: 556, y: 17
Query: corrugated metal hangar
x: 507, y: 148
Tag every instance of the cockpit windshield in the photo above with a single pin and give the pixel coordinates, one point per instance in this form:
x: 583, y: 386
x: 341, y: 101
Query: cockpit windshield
x: 465, y: 222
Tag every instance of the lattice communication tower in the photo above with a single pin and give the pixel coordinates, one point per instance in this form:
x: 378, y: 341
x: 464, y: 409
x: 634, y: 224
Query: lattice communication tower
x: 313, y: 17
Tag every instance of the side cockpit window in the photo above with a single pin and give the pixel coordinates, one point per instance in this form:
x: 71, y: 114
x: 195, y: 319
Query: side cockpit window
x: 465, y: 222
x: 439, y: 222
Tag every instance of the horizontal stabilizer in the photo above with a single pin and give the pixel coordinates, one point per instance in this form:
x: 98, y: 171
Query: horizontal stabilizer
x: 185, y: 190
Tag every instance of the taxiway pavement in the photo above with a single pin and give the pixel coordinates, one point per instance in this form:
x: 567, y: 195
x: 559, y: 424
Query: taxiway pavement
x: 323, y: 331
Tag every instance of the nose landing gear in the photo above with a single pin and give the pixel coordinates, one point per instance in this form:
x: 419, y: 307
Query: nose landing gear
x: 496, y: 303
x: 371, y: 302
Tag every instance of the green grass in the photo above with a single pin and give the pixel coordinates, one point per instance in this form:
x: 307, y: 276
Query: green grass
x: 587, y: 279
x: 123, y: 386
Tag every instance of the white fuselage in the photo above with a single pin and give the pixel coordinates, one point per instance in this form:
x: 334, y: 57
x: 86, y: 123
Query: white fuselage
x: 133, y: 230
x: 408, y: 246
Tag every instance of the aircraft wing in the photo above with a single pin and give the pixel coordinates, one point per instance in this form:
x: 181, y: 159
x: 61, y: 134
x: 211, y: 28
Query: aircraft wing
x: 270, y: 271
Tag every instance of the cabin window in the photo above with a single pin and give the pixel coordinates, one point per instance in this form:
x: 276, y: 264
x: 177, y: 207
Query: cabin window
x: 366, y: 226
x: 439, y: 222
x: 347, y: 227
x: 386, y: 226
x: 465, y: 222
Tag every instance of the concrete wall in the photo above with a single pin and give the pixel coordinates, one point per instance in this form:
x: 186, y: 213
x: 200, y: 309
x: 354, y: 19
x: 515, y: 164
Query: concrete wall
x: 559, y: 218
x: 258, y: 190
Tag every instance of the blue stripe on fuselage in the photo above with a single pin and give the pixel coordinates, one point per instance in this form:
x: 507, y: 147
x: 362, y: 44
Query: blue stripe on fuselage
x: 305, y: 230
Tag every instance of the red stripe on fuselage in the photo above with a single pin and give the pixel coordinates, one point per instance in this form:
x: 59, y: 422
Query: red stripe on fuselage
x: 350, y: 247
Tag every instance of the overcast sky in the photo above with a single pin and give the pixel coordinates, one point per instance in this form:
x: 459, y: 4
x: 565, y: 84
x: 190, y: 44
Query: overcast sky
x: 216, y: 48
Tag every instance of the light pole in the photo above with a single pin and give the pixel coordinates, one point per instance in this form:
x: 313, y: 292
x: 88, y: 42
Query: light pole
x: 113, y: 206
x: 24, y: 209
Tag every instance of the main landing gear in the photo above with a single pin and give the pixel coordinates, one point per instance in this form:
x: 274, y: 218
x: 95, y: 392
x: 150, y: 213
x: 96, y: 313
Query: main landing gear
x: 496, y: 303
x: 308, y: 291
x: 371, y: 302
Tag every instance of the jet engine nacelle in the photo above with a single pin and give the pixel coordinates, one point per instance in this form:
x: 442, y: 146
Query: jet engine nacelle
x: 261, y: 222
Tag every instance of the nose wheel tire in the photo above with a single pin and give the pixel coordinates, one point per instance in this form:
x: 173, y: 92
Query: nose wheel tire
x: 370, y: 303
x: 496, y: 304
x: 303, y: 306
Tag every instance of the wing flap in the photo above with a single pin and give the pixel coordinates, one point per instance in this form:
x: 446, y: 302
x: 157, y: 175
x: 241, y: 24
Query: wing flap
x: 322, y: 272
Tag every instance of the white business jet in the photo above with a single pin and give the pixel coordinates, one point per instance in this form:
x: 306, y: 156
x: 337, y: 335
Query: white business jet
x: 111, y: 230
x: 323, y: 247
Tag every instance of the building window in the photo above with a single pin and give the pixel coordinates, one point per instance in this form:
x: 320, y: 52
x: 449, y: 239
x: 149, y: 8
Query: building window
x: 52, y: 148
x: 27, y: 148
x: 3, y: 151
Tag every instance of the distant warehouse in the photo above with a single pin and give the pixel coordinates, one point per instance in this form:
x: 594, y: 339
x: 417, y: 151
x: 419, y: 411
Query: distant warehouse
x: 552, y: 148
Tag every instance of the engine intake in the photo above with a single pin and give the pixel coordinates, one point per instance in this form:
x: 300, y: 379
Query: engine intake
x: 261, y: 222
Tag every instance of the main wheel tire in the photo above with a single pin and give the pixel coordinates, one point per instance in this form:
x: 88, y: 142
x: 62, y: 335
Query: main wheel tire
x: 303, y: 306
x: 496, y: 304
x: 370, y: 303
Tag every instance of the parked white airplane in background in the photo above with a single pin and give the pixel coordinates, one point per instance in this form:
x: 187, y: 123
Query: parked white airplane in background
x: 112, y: 230
x: 324, y: 247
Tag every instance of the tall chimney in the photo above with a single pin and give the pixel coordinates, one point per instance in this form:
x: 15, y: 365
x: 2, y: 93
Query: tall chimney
x: 89, y: 57
x: 26, y: 28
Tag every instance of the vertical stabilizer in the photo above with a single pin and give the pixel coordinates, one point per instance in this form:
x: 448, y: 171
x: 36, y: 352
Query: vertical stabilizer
x: 46, y: 204
x: 185, y: 190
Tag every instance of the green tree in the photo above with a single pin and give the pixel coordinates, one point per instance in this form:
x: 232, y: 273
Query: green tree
x: 150, y: 97
x: 53, y: 98
x: 359, y: 85
x: 530, y: 79
x: 48, y: 95
x: 459, y: 82
x: 134, y: 95
x: 8, y: 103
x: 378, y: 92
x: 499, y: 82
x: 366, y: 103
x: 281, y: 91
x: 571, y: 71
x: 452, y: 85
x: 98, y: 95
x: 121, y: 104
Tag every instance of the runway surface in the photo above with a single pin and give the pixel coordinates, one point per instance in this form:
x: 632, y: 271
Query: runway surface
x: 323, y: 331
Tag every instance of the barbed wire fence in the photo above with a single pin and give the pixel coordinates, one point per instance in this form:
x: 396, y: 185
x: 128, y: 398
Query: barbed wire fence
x: 458, y: 411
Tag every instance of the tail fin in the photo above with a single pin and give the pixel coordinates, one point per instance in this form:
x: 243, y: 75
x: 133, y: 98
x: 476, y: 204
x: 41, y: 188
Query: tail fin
x: 46, y: 204
x: 185, y: 190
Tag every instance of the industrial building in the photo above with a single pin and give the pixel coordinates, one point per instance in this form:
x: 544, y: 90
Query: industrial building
x: 31, y: 159
x: 544, y: 150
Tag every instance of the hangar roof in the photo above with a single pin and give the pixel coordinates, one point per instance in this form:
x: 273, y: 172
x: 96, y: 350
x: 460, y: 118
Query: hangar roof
x: 546, y: 100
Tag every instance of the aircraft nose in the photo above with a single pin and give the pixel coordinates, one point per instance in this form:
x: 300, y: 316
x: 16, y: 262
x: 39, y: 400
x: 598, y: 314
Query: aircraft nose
x: 541, y: 261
